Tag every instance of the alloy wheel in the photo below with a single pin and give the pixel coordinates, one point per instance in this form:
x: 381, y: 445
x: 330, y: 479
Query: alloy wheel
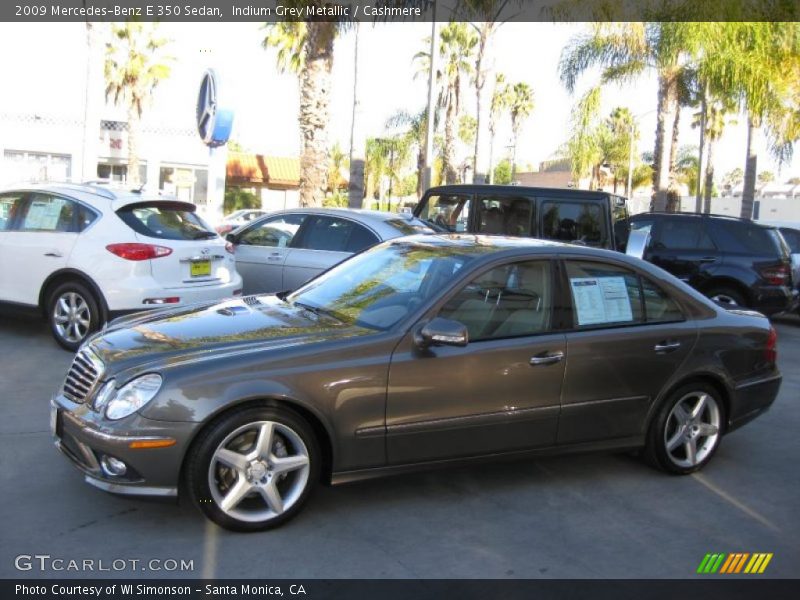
x: 72, y: 316
x: 692, y: 429
x: 259, y: 471
x: 725, y: 299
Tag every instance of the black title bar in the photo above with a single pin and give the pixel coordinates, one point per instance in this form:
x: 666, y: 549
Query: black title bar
x: 397, y: 10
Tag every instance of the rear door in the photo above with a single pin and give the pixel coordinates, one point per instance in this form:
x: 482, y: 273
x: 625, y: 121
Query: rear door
x: 46, y: 231
x: 581, y: 222
x: 627, y: 338
x: 198, y: 254
x: 683, y: 246
x: 324, y: 242
x: 11, y: 205
x: 261, y: 252
x: 505, y: 214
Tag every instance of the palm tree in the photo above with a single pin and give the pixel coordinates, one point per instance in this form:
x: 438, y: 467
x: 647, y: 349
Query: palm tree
x: 520, y: 106
x: 306, y: 48
x: 757, y: 63
x: 134, y: 66
x: 456, y: 47
x: 713, y: 117
x: 624, y: 51
x: 496, y: 109
x: 485, y: 20
x: 583, y: 147
x: 417, y: 129
x: 617, y: 143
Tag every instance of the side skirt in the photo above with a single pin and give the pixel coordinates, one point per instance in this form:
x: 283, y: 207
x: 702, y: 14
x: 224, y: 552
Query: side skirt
x: 628, y: 443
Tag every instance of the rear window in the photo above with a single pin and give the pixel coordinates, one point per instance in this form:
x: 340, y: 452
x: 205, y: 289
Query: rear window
x: 165, y: 221
x: 747, y: 238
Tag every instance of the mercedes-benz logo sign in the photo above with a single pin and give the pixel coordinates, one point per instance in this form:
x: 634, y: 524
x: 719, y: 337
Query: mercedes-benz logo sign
x: 214, y: 122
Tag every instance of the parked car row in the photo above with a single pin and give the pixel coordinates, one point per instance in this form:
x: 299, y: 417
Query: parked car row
x: 81, y: 255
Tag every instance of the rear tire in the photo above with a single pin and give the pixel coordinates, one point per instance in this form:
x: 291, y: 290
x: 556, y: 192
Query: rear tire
x: 254, y: 468
x: 727, y: 296
x: 687, y: 429
x: 73, y: 314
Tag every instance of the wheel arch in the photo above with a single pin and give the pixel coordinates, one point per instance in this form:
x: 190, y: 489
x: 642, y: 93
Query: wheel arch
x: 708, y: 377
x: 724, y: 281
x: 68, y: 274
x: 321, y: 431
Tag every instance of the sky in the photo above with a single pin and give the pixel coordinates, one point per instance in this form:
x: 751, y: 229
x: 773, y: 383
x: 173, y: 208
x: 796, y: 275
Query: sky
x: 43, y: 70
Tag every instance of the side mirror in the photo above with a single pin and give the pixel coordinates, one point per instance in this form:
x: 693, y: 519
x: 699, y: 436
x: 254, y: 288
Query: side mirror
x: 638, y: 240
x: 443, y: 332
x: 231, y: 238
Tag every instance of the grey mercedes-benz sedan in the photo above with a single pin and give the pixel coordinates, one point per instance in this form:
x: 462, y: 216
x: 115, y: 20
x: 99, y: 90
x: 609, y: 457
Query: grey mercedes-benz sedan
x: 423, y: 351
x: 285, y: 249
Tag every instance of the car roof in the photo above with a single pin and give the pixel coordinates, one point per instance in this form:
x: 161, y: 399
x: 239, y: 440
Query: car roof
x: 518, y: 189
x: 692, y: 215
x: 100, y: 196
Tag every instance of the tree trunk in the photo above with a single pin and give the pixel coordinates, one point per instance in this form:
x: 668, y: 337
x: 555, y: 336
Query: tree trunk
x: 449, y: 154
x: 490, y: 174
x: 698, y: 201
x: 514, y: 134
x: 420, y: 171
x: 355, y: 187
x: 751, y: 164
x: 673, y: 199
x: 667, y: 105
x: 132, y: 178
x: 315, y: 91
x: 709, y: 183
x: 478, y: 160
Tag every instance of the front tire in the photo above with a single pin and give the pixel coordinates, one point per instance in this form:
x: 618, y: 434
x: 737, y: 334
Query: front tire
x: 73, y: 313
x: 687, y: 430
x: 254, y: 468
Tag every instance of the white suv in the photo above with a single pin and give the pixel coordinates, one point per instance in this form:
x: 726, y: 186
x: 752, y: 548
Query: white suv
x: 82, y: 254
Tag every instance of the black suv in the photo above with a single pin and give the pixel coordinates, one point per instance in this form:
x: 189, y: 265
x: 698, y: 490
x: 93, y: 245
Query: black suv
x: 590, y: 218
x: 733, y: 261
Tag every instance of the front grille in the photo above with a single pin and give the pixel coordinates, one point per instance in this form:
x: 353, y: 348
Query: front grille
x: 83, y: 376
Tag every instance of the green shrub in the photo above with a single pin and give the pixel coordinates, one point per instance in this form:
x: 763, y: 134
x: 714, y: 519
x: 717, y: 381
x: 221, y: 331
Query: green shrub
x: 237, y: 199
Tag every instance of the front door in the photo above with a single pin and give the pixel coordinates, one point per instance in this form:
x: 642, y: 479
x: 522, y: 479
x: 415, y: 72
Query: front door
x: 628, y: 339
x: 683, y: 247
x: 499, y: 393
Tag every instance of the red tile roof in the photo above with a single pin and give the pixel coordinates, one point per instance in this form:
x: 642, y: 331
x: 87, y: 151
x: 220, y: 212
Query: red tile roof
x: 256, y: 169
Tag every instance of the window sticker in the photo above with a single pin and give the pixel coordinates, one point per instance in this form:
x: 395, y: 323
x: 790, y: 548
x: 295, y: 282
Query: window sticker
x: 601, y: 300
x: 43, y: 215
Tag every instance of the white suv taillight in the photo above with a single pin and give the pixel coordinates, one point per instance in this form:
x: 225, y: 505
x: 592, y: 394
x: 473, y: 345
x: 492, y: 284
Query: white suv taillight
x: 134, y: 251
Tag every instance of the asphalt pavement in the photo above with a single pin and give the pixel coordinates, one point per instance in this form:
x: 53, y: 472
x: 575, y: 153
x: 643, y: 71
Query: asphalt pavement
x: 588, y: 516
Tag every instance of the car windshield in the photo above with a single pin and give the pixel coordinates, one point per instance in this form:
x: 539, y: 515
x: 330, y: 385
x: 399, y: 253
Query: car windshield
x: 378, y: 288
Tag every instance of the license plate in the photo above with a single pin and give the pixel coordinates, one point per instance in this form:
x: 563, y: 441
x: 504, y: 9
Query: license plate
x: 200, y: 268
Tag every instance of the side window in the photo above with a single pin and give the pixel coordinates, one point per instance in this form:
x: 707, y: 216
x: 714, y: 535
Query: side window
x: 361, y: 238
x: 10, y: 206
x: 792, y: 237
x: 49, y: 213
x: 603, y: 294
x: 449, y: 213
x: 682, y: 234
x: 336, y: 235
x: 506, y: 301
x: 580, y: 222
x: 86, y: 216
x: 744, y: 238
x: 619, y: 218
x: 273, y: 233
x: 505, y: 215
x: 658, y: 306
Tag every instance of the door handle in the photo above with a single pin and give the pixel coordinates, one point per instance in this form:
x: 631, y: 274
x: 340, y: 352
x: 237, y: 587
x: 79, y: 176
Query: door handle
x: 667, y: 346
x: 53, y: 254
x: 546, y: 359
x: 707, y: 259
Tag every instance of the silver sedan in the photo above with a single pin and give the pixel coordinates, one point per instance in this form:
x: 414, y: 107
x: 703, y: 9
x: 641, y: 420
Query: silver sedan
x: 287, y: 248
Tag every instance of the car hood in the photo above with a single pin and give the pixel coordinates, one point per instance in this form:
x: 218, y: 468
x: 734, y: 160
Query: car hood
x: 150, y: 339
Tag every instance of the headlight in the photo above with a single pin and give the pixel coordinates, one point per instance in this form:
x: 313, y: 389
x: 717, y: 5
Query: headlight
x: 132, y: 396
x: 104, y: 395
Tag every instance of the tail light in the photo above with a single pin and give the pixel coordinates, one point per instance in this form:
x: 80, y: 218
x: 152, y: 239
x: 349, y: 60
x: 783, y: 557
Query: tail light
x: 779, y: 275
x: 771, y: 349
x: 135, y: 251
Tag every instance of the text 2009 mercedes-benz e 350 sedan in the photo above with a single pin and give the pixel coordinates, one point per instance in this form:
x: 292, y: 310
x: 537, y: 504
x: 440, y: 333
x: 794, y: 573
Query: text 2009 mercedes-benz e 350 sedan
x: 423, y: 350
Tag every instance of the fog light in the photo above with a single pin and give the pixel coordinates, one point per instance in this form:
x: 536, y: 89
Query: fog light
x: 113, y: 467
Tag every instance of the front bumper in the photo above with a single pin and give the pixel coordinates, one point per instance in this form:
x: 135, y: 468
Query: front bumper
x: 81, y: 435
